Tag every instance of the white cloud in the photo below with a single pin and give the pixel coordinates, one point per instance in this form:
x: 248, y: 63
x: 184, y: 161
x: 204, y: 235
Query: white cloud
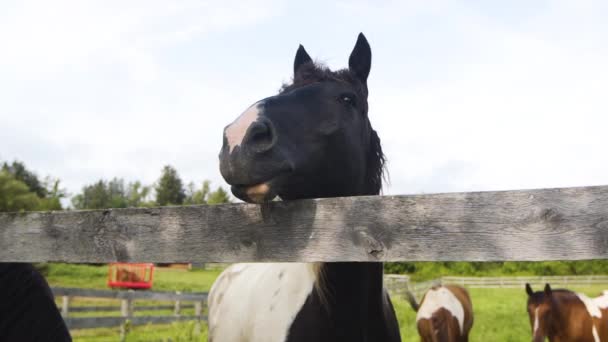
x: 41, y: 36
x: 532, y: 115
x: 87, y: 97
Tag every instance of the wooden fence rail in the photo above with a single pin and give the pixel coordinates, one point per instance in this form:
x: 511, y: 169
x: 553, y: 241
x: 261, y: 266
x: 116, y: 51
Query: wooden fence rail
x: 396, y: 284
x: 102, y: 308
x: 519, y: 282
x: 128, y: 307
x: 399, y: 285
x: 546, y: 224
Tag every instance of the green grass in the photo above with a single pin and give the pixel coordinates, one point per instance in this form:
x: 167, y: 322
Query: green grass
x: 175, y: 332
x: 95, y: 277
x: 500, y: 314
x: 426, y: 270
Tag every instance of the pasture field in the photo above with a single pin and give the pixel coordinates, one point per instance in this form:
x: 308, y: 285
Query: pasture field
x: 95, y: 277
x: 500, y: 314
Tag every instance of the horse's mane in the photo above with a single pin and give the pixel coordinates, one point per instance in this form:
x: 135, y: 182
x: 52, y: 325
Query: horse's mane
x: 317, y: 72
x: 539, y: 296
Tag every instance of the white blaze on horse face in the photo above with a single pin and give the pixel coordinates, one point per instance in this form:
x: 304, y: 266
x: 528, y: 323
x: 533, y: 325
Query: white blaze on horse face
x: 235, y: 132
x: 258, y: 302
x: 596, y: 336
x: 536, y: 324
x: 436, y: 299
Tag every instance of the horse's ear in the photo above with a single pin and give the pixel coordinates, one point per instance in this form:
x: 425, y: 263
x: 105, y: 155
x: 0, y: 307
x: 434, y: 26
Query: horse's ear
x: 548, y: 290
x: 360, y: 61
x: 529, y: 289
x: 302, y: 58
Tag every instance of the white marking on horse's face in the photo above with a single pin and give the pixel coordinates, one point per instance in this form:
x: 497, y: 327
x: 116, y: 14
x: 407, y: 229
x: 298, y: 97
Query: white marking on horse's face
x: 536, y: 323
x: 596, y: 336
x: 436, y: 299
x: 235, y: 132
x: 258, y: 302
x: 591, y: 305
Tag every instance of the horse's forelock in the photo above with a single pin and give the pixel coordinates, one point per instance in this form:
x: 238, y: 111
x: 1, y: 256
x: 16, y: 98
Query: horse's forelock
x: 318, y: 72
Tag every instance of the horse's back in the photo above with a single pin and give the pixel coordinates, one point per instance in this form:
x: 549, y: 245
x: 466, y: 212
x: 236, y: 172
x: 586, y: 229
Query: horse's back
x: 258, y: 302
x: 465, y: 300
x: 601, y: 325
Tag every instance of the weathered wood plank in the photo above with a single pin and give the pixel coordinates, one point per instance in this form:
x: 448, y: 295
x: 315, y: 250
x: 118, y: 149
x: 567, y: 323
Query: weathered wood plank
x: 117, y: 308
x: 546, y: 224
x: 65, y: 306
x: 149, y: 295
x: 100, y: 322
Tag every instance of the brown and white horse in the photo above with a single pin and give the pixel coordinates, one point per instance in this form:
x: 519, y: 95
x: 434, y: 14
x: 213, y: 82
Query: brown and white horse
x: 445, y: 314
x: 562, y: 315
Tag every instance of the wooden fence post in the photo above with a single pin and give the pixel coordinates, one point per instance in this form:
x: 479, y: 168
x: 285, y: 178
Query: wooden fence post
x: 126, y: 311
x: 198, y: 308
x: 65, y: 306
x: 178, y: 305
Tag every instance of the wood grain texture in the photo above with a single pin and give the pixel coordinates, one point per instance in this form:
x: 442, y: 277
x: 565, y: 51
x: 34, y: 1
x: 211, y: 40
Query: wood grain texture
x: 545, y: 224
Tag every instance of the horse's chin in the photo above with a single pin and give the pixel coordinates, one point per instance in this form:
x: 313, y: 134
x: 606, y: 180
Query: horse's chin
x: 259, y: 193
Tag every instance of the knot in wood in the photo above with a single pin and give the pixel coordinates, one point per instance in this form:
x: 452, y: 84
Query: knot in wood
x: 550, y: 215
x: 373, y: 247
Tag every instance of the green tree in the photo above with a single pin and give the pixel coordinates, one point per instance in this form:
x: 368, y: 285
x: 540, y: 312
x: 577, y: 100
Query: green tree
x: 54, y: 194
x: 117, y: 194
x: 138, y: 195
x: 169, y: 189
x: 204, y: 195
x: 218, y: 196
x: 194, y: 196
x: 21, y: 173
x: 102, y: 195
x: 15, y: 195
x: 48, y: 191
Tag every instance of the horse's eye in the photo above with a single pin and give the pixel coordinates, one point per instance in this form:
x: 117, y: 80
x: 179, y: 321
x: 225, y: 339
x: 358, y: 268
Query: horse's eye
x: 348, y: 99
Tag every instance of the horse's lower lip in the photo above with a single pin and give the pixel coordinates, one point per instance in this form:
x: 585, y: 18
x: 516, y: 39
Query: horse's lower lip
x: 257, y: 193
x: 260, y: 192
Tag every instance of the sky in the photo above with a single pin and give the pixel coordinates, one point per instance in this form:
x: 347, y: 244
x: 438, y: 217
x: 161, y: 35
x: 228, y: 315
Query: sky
x: 465, y: 95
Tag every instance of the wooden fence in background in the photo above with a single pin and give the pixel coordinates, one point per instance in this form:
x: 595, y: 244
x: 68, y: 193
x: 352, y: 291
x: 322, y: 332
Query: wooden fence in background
x: 399, y: 285
x: 128, y: 308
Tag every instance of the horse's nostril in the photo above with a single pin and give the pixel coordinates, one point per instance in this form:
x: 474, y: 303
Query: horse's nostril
x: 260, y: 136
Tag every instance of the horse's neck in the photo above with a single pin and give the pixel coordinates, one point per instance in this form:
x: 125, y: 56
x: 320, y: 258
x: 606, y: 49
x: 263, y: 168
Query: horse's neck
x: 560, y: 322
x: 356, y: 288
x: 353, y: 285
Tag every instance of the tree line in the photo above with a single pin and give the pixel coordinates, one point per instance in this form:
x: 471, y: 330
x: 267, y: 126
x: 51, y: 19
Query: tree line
x: 21, y: 189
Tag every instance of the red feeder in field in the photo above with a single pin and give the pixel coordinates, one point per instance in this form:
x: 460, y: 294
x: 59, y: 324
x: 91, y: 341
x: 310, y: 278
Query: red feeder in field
x: 130, y: 275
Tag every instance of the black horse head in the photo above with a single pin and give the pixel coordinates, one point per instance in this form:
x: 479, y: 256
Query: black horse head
x: 314, y: 139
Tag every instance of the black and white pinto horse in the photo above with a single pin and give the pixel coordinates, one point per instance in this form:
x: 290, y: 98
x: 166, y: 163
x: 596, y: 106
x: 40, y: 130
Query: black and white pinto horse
x: 27, y: 307
x: 312, y: 140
